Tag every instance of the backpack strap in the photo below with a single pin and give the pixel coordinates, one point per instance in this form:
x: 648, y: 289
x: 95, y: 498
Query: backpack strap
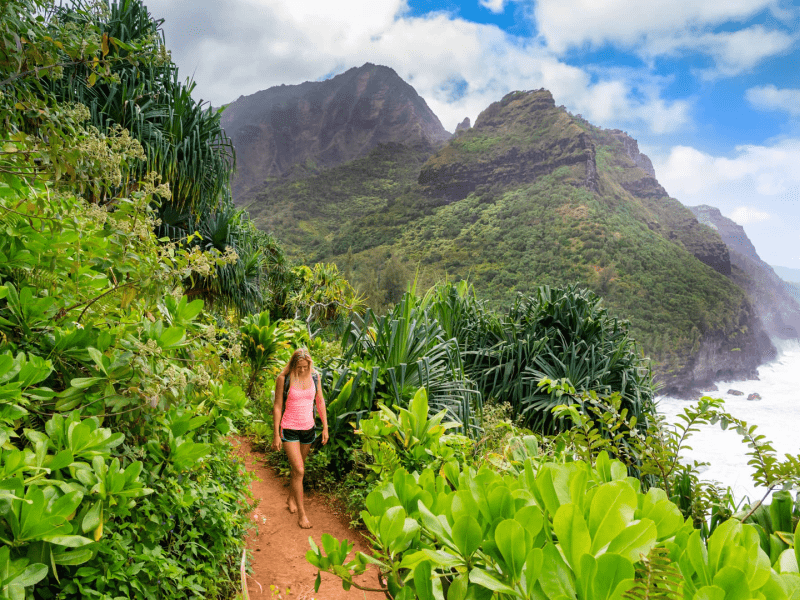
x: 314, y: 377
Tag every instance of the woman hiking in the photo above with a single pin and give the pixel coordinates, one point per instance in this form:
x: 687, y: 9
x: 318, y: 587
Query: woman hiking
x: 297, y: 389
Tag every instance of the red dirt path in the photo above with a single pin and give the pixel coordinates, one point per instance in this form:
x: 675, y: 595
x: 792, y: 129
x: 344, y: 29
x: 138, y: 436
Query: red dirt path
x: 278, y: 546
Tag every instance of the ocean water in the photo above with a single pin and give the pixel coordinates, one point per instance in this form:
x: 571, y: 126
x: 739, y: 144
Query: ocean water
x: 777, y: 416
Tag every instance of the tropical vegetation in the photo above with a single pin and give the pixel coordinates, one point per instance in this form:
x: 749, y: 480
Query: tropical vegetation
x: 558, y: 517
x: 495, y: 452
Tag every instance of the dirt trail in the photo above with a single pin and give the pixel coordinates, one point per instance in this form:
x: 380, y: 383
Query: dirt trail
x: 278, y: 545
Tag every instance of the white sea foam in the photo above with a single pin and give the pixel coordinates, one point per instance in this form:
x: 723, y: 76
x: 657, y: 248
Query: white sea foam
x: 777, y: 415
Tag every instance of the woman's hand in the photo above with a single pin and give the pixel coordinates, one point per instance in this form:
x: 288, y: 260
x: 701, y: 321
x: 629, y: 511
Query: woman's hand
x: 324, y: 435
x: 276, y: 443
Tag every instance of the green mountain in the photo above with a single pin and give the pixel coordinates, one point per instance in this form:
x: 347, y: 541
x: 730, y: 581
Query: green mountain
x: 529, y: 195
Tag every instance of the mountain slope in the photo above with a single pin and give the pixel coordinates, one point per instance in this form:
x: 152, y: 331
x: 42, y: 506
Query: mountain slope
x: 325, y: 123
x: 533, y: 195
x: 773, y: 298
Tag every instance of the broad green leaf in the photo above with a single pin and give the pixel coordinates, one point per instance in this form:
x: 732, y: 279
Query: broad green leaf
x: 458, y: 588
x: 419, y: 409
x: 93, y: 517
x: 662, y: 512
x: 734, y: 582
x: 635, y: 541
x: 533, y: 568
x: 709, y: 592
x: 612, y: 569
x: 437, y: 526
x: 552, y: 483
x: 409, y: 532
x: 423, y: 582
x: 531, y: 518
x: 510, y: 539
x: 573, y: 534
x: 721, y: 543
x: 376, y: 503
x: 66, y: 505
x: 480, y: 577
x: 171, y: 336
x: 32, y: 575
x: 467, y: 535
x: 789, y: 582
x: 439, y: 558
x: 72, y: 557
x: 797, y: 543
x: 698, y: 557
x: 82, y: 383
x: 787, y: 563
x: 556, y: 577
x: 70, y: 541
x: 97, y: 357
x: 391, y: 524
x: 612, y: 509
x: 501, y: 504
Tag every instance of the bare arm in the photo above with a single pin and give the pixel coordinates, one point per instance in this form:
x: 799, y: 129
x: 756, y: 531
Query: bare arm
x: 323, y: 413
x: 277, y: 412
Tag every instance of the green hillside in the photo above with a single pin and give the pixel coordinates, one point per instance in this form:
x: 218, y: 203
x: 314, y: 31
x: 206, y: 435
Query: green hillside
x: 530, y: 195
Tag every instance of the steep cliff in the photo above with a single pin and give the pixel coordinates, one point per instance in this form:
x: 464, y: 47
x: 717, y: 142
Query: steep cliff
x: 774, y: 301
x: 321, y: 124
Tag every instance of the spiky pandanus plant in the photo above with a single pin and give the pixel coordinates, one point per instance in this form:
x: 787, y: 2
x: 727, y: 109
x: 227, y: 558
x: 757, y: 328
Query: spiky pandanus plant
x: 410, y: 350
x: 183, y: 142
x: 182, y: 138
x: 556, y: 334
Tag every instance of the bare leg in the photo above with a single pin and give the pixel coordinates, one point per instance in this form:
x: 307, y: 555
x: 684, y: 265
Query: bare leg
x: 296, y: 454
x: 291, y: 504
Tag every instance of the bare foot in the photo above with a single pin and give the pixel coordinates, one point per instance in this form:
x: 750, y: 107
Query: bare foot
x: 291, y: 504
x: 304, y: 522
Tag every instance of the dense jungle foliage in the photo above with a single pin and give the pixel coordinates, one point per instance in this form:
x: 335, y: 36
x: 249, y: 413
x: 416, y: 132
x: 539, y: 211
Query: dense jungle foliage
x: 124, y: 269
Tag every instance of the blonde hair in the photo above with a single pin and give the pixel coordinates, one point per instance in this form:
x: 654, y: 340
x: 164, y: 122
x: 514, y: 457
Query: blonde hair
x: 297, y: 356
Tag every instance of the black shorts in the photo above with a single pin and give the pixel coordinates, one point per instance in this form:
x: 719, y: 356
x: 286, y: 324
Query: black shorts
x: 304, y: 436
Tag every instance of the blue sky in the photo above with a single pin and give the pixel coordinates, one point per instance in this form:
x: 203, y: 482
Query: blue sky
x: 710, y: 90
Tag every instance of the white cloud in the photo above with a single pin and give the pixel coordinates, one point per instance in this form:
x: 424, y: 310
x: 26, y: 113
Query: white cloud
x: 667, y: 28
x: 568, y: 23
x: 255, y: 44
x: 689, y: 174
x: 739, y: 51
x: 745, y: 215
x: 496, y: 6
x: 769, y: 97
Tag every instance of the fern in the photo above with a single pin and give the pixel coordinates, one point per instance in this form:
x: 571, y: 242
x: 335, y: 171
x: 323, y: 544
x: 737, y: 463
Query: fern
x: 657, y: 578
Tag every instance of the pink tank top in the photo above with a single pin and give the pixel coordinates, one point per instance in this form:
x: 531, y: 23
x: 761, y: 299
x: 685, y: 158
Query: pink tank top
x: 299, y: 410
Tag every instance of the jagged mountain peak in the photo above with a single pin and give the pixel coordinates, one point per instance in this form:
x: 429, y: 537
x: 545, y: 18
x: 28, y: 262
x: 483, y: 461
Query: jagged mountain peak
x: 320, y: 124
x: 513, y: 141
